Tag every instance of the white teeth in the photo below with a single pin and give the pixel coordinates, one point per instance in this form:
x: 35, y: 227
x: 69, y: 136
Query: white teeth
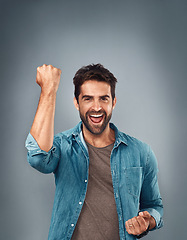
x: 96, y: 116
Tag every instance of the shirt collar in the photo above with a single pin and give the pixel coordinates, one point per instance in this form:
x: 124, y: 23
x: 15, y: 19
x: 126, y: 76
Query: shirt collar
x: 119, y: 136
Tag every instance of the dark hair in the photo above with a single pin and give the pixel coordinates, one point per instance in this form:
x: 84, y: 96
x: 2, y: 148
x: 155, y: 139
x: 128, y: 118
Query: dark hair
x: 93, y: 72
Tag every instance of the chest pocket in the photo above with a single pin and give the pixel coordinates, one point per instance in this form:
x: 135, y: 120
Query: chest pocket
x: 133, y: 179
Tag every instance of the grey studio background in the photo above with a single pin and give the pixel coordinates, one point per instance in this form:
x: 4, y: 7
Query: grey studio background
x: 143, y: 42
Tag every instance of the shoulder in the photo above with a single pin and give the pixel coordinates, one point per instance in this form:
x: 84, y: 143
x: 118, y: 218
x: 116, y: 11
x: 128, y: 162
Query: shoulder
x: 138, y: 149
x: 136, y: 143
x: 146, y: 153
x: 130, y: 141
x: 68, y: 134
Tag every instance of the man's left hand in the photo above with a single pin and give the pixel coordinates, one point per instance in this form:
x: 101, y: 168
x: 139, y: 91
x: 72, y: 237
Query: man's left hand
x: 138, y: 225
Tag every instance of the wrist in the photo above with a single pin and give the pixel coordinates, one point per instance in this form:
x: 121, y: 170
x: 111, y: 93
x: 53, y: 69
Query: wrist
x: 144, y: 233
x: 152, y: 223
x: 48, y: 92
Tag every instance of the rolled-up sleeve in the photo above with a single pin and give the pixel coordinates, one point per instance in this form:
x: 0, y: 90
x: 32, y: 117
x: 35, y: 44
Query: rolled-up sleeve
x: 45, y: 162
x: 151, y: 200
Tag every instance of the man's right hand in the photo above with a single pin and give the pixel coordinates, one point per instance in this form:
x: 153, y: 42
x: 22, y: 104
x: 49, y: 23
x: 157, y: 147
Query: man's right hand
x: 48, y: 78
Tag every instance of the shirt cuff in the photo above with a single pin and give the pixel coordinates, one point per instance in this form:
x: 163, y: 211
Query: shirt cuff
x: 158, y: 219
x: 33, y: 147
x: 31, y: 143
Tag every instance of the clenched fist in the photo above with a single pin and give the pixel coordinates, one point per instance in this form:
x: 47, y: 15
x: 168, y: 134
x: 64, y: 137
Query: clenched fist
x: 139, y: 224
x: 48, y: 78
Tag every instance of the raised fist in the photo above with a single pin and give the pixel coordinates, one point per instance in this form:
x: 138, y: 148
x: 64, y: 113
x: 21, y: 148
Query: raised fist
x: 48, y: 78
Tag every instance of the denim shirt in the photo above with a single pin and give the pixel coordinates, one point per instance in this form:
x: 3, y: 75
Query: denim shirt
x: 134, y: 175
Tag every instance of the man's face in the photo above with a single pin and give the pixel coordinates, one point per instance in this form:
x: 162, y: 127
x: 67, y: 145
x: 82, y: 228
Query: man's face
x: 95, y: 105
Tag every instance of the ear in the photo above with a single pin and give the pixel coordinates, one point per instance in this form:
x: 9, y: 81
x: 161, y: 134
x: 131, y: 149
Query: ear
x: 76, y: 103
x: 114, y: 103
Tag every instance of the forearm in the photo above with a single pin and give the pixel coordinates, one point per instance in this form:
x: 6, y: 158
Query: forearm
x: 48, y: 78
x: 43, y: 125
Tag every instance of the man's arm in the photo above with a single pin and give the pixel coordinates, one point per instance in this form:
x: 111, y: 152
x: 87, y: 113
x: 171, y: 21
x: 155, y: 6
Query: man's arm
x: 48, y: 78
x: 151, y: 208
x: 43, y: 148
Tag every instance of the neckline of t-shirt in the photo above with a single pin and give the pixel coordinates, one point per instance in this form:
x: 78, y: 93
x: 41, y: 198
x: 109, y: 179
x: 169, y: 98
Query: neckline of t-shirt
x: 100, y: 148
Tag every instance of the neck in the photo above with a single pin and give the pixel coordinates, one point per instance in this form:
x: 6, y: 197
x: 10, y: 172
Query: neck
x: 104, y: 139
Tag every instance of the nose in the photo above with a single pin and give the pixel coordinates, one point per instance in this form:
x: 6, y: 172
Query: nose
x: 96, y: 106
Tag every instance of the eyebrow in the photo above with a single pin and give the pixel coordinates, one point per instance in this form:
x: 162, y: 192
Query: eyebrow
x: 90, y: 96
x: 86, y: 96
x: 107, y: 96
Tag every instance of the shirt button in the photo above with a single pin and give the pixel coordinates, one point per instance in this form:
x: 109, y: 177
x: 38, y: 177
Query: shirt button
x: 72, y: 225
x: 80, y: 203
x: 86, y: 180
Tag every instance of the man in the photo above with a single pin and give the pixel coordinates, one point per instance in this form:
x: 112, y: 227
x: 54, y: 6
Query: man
x: 106, y: 181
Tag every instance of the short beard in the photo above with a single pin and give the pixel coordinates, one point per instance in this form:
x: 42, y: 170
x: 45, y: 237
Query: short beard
x: 99, y: 129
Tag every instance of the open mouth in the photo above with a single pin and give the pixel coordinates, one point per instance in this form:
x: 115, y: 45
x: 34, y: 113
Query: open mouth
x: 96, y: 118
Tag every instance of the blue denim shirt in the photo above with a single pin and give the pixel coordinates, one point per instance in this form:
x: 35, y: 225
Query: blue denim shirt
x: 134, y: 175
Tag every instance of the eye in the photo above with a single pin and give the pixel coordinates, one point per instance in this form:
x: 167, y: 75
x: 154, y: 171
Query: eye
x: 87, y: 99
x: 104, y: 98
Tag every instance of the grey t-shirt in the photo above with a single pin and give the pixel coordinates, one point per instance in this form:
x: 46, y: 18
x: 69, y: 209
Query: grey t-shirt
x: 98, y: 219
